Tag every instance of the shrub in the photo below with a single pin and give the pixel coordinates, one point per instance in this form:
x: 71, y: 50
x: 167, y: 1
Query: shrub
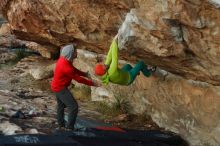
x: 120, y: 106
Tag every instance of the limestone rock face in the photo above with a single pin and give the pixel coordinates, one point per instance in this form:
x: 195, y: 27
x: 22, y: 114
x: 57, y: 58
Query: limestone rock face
x: 42, y: 72
x: 45, y: 51
x: 42, y: 68
x: 7, y: 39
x: 187, y: 107
x: 2, y: 19
x: 90, y: 23
x: 9, y: 128
x: 179, y: 36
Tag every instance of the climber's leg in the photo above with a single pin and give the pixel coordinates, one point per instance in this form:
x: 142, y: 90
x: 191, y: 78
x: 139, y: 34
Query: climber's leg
x: 126, y: 67
x: 140, y: 66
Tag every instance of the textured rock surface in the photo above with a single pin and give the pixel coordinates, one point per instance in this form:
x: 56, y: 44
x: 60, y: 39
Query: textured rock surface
x: 9, y: 128
x: 2, y: 20
x: 180, y: 36
x: 187, y: 107
x: 6, y: 56
x: 45, y: 51
x: 7, y: 39
x: 52, y: 22
x: 43, y: 71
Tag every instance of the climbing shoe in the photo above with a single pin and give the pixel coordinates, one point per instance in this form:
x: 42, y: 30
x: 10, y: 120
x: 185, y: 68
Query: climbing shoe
x: 153, y: 69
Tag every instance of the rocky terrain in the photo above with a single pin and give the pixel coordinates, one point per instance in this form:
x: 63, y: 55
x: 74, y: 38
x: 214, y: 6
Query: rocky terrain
x: 181, y: 37
x: 19, y: 92
x: 25, y: 89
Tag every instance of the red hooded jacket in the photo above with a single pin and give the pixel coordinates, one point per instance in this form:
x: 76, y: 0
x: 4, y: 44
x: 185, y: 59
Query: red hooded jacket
x: 64, y: 73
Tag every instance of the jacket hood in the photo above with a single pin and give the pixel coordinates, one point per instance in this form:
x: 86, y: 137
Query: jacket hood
x: 67, y: 52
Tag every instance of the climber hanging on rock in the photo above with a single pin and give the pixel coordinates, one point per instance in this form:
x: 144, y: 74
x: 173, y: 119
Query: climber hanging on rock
x: 110, y: 72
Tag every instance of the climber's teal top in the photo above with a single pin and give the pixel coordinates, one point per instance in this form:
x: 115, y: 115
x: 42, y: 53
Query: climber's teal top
x: 114, y: 74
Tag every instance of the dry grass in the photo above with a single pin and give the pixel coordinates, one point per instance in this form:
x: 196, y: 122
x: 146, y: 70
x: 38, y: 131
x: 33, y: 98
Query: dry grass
x: 120, y: 106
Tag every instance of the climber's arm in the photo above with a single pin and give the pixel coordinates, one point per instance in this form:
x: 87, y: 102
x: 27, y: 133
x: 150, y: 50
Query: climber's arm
x: 114, y: 51
x: 109, y: 57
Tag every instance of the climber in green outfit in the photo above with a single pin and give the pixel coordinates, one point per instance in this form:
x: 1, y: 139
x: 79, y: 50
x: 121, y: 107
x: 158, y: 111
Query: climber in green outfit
x: 110, y: 72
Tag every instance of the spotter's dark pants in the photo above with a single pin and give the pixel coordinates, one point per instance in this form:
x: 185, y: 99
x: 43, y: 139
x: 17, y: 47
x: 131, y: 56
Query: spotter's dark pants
x: 66, y: 100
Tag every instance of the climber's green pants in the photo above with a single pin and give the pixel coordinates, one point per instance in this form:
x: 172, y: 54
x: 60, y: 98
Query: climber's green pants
x: 134, y: 71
